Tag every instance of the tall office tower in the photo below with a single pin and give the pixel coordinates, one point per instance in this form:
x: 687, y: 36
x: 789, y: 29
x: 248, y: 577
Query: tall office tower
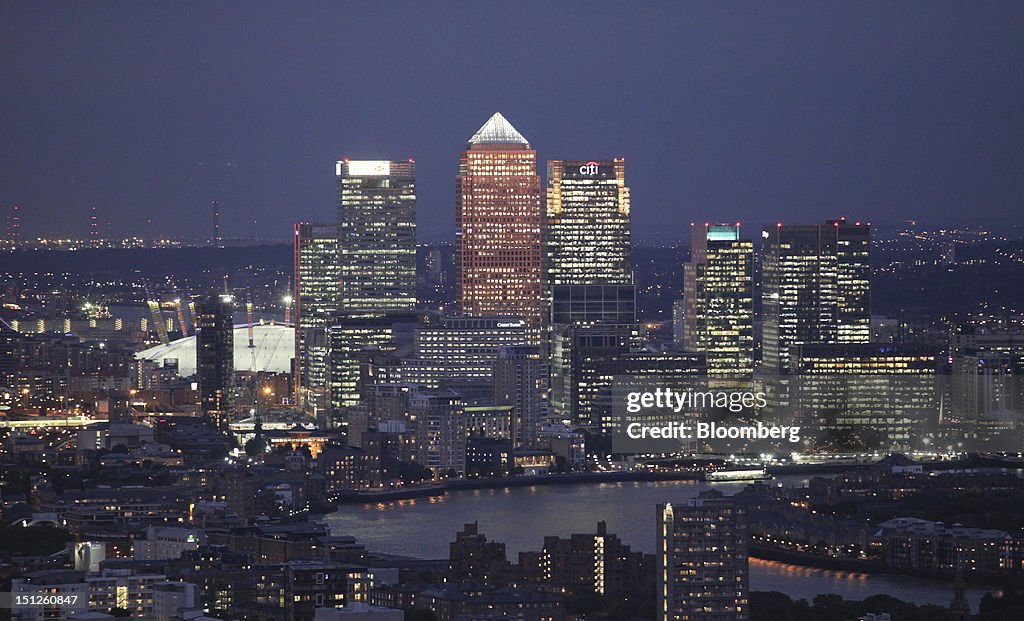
x: 215, y: 359
x: 317, y: 279
x: 377, y: 236
x: 348, y: 335
x: 816, y: 288
x: 703, y: 567
x: 586, y: 234
x: 718, y: 299
x: 498, y: 226
x: 521, y: 380
x: 873, y: 395
x: 588, y: 265
x: 853, y: 281
x: 579, y: 356
x: 440, y: 430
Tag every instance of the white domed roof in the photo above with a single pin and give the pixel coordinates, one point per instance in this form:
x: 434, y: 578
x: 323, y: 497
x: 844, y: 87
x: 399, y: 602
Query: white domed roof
x: 272, y: 351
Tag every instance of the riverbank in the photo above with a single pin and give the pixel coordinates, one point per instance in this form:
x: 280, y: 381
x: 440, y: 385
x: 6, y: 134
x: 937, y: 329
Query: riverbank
x: 574, y: 478
x: 521, y: 517
x: 871, y: 567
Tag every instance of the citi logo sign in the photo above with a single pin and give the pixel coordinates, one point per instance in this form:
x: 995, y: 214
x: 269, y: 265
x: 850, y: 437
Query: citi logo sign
x: 590, y: 168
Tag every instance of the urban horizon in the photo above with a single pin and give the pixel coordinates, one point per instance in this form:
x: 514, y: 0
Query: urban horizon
x: 756, y: 355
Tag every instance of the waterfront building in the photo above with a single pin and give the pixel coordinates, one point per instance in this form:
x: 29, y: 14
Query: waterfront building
x: 521, y: 380
x: 595, y: 562
x: 703, y: 572
x: 215, y: 359
x: 316, y: 292
x: 816, y: 288
x: 718, y: 300
x: 439, y: 423
x: 885, y: 394
x: 498, y: 226
x: 473, y: 557
x: 988, y: 375
x: 920, y: 545
x: 488, y: 457
x: 377, y: 234
x: 586, y: 359
x: 491, y: 421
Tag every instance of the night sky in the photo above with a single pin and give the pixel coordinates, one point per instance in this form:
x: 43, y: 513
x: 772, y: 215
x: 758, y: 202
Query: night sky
x: 725, y: 111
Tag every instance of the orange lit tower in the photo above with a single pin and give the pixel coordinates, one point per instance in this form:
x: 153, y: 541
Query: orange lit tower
x: 498, y: 226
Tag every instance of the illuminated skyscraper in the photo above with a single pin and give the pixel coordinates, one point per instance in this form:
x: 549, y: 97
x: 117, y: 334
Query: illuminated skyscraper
x: 348, y: 334
x: 816, y: 288
x: 317, y: 285
x: 588, y: 267
x: 498, y: 226
x: 587, y: 238
x: 703, y: 569
x: 215, y: 359
x: 718, y: 299
x: 377, y: 235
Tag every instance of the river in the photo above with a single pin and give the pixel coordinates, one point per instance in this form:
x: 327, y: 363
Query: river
x: 521, y: 517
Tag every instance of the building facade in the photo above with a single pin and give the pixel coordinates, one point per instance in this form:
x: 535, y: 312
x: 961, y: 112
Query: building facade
x: 883, y: 394
x: 377, y: 234
x: 703, y: 569
x: 349, y: 334
x: 816, y: 288
x: 498, y: 226
x: 718, y: 299
x: 215, y: 358
x: 521, y: 381
x: 587, y: 227
x: 316, y: 292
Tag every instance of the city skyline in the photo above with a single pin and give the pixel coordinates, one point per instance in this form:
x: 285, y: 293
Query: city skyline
x: 772, y: 367
x: 878, y: 112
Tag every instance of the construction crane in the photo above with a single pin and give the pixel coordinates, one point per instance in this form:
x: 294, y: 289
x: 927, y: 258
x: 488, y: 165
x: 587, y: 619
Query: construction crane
x: 248, y: 318
x: 192, y: 313
x: 181, y: 317
x: 158, y: 319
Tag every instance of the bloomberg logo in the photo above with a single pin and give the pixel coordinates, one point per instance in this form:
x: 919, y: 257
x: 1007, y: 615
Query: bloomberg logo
x: 590, y: 168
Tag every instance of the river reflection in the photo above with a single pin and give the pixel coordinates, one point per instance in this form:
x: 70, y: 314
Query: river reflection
x: 521, y: 517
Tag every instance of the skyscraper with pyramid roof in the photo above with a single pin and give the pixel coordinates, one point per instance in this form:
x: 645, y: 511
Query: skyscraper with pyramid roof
x: 498, y: 226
